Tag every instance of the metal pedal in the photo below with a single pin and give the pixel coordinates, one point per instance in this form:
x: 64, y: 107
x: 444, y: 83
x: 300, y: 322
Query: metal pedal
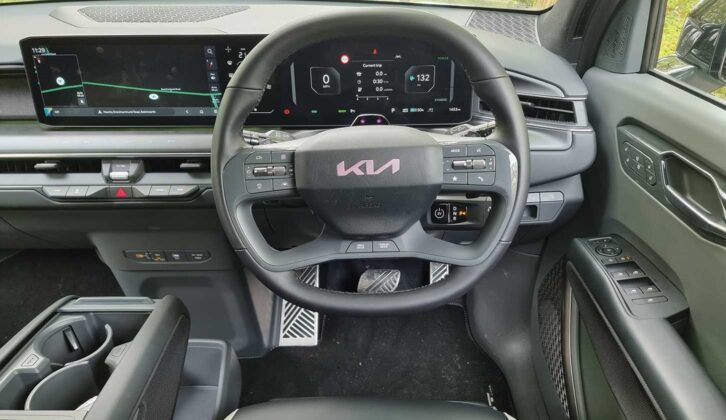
x: 299, y: 326
x: 379, y: 281
x: 437, y: 272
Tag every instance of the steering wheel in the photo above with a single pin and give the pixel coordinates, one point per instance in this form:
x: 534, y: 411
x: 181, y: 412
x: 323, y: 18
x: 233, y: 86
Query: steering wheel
x: 370, y: 185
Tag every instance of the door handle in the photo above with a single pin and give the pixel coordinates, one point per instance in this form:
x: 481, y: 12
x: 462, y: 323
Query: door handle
x: 695, y: 193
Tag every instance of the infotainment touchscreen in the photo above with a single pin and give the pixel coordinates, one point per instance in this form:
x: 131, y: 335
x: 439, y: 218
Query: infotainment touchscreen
x: 180, y: 80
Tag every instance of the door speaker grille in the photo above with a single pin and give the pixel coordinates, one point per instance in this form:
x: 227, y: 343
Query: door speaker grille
x: 550, y: 299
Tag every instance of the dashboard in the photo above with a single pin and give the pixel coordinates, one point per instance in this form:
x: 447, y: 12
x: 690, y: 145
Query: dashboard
x: 66, y: 162
x: 180, y: 80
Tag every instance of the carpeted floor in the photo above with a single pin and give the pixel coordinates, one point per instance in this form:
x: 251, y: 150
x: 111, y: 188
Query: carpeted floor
x: 425, y: 356
x: 32, y: 280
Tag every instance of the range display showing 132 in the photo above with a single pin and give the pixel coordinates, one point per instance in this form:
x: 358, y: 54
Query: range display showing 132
x: 180, y: 80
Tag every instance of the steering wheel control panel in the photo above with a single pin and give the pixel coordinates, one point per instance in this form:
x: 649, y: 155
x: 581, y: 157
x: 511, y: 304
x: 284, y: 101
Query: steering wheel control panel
x: 469, y: 164
x: 639, y: 284
x: 97, y: 81
x: 269, y: 171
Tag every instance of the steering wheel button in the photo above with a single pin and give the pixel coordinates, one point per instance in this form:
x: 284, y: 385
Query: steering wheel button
x: 461, y: 164
x: 489, y: 163
x: 281, y: 157
x: 279, y: 171
x: 259, y: 186
x: 360, y: 246
x: 259, y: 157
x: 454, y: 151
x: 478, y: 164
x: 481, y: 178
x: 260, y: 171
x: 479, y: 150
x: 282, y: 184
x: 455, y: 178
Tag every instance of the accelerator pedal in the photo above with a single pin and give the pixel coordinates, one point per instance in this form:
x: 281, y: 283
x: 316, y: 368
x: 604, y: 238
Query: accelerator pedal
x: 437, y: 272
x: 299, y: 326
x: 376, y: 280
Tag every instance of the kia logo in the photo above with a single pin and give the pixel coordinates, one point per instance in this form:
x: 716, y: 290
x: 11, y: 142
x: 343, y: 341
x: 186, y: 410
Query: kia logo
x: 367, y: 167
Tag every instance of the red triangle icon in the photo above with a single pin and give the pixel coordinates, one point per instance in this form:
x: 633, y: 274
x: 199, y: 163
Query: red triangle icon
x: 120, y: 193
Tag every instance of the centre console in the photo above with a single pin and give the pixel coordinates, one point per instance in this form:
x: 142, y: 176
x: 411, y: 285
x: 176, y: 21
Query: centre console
x: 116, y: 358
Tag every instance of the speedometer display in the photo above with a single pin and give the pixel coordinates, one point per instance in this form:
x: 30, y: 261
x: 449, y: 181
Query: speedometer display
x: 406, y: 81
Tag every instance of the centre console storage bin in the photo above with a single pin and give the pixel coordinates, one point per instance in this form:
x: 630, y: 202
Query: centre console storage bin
x: 70, y: 341
x: 211, y: 382
x: 96, y: 358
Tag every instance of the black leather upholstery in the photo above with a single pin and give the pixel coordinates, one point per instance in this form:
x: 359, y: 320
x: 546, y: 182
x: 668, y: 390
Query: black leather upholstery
x: 365, y: 409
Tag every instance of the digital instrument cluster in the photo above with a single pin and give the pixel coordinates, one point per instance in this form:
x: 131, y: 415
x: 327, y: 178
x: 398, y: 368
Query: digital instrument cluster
x: 180, y: 80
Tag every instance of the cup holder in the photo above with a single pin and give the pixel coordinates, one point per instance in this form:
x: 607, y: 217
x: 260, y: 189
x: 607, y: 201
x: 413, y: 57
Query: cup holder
x: 75, y: 383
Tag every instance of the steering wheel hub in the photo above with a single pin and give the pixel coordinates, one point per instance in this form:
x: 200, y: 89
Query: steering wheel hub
x: 369, y: 181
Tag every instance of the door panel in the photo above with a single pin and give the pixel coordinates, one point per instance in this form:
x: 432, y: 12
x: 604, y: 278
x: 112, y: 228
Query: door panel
x: 670, y: 120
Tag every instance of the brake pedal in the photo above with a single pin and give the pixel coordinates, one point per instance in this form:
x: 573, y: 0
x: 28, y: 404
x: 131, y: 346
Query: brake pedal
x: 376, y: 280
x: 299, y: 326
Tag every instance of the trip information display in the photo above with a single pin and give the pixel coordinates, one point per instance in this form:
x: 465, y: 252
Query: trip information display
x: 180, y: 80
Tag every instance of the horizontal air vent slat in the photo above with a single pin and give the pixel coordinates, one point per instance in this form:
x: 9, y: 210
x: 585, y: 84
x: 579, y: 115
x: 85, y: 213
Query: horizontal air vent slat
x: 59, y: 166
x: 548, y: 109
x: 174, y: 164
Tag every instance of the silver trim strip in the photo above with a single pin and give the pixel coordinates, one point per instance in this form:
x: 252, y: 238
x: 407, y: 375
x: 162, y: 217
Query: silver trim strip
x: 103, y: 154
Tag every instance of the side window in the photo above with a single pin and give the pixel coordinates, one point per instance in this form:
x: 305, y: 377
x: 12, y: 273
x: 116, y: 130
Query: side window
x: 693, y: 44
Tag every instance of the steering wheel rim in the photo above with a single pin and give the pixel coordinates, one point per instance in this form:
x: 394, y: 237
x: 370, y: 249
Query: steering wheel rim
x: 229, y: 153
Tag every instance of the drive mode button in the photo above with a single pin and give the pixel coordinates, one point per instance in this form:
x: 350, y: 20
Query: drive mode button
x: 361, y: 246
x: 384, y: 246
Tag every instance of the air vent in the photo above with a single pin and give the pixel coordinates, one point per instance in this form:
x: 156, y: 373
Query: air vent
x: 56, y: 166
x: 548, y: 109
x: 158, y: 14
x: 172, y: 164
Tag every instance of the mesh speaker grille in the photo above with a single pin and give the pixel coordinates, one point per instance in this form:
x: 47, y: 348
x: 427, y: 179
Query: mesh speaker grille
x: 157, y: 14
x: 550, y: 298
x: 519, y: 26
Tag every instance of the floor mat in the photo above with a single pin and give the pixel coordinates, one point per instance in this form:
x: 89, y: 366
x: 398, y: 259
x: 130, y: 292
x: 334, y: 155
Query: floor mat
x: 428, y: 356
x: 32, y: 280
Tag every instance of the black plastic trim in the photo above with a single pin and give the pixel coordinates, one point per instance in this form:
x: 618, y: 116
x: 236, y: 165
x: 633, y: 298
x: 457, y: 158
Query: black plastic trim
x: 665, y: 365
